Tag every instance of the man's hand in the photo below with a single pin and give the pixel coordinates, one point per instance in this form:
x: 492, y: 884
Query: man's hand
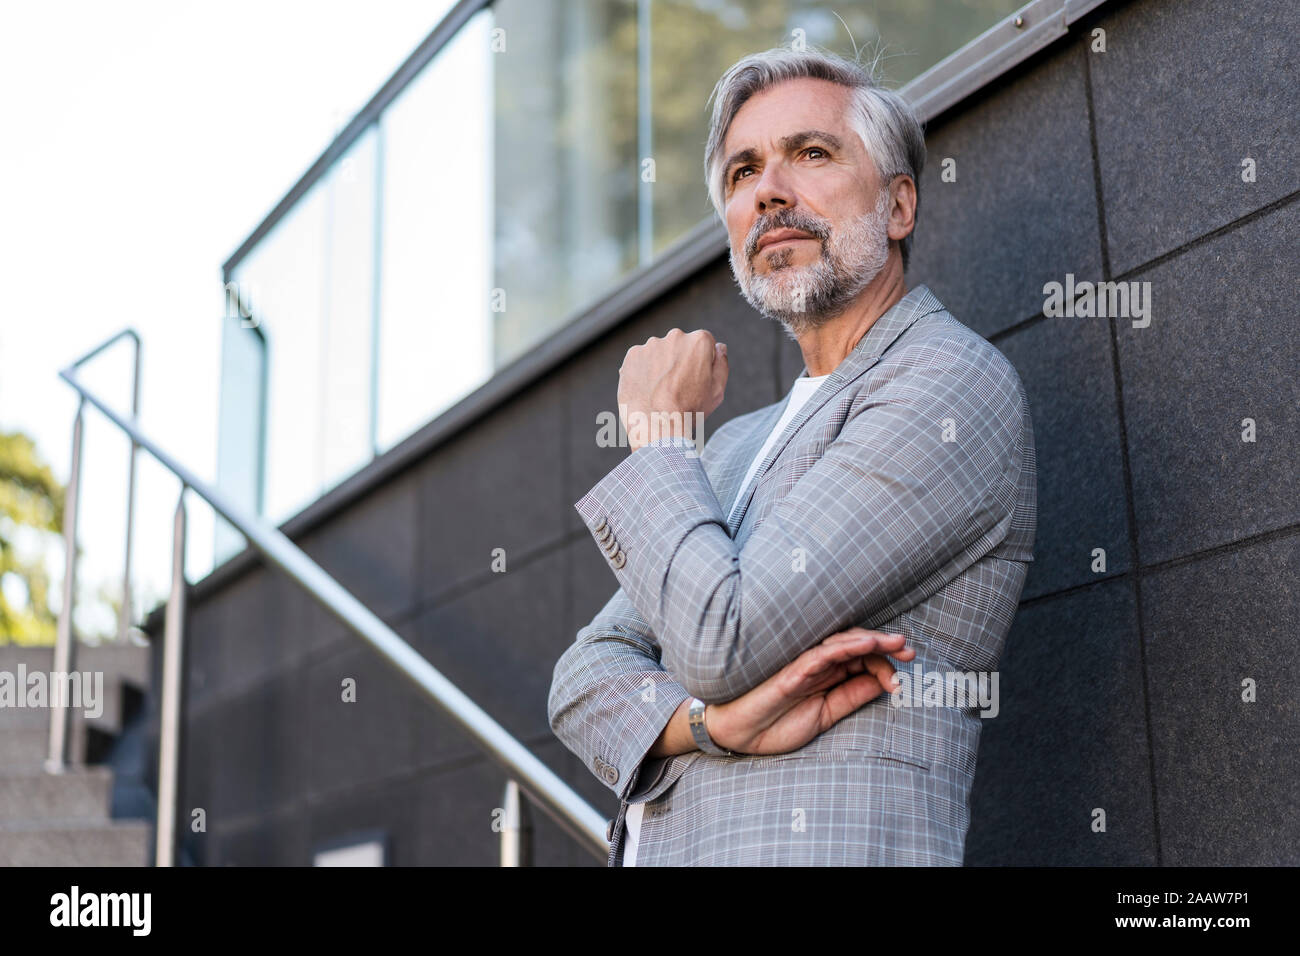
x: 810, y: 694
x: 666, y: 383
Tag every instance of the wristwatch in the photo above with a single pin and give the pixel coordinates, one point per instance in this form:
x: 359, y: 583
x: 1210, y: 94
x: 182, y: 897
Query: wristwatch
x: 700, y: 731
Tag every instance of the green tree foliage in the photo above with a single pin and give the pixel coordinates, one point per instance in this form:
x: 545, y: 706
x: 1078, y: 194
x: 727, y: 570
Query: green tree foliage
x: 31, y: 503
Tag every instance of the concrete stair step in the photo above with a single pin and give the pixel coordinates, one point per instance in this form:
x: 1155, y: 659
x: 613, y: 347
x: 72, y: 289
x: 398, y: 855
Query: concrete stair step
x: 30, y: 795
x: 64, y: 819
x: 25, y: 748
x: 57, y: 842
x: 23, y: 718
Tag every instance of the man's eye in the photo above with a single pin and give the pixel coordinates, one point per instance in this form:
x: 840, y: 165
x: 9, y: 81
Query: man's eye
x: 811, y: 149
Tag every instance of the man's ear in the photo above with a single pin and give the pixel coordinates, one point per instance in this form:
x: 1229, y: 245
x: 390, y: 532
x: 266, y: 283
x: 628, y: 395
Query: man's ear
x: 902, y: 210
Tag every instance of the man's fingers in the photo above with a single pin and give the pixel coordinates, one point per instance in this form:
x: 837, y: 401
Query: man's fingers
x: 842, y: 647
x: 849, y: 640
x: 895, y: 645
x: 861, y: 689
x: 855, y: 632
x: 826, y: 655
x: 887, y: 640
x: 883, y: 671
x: 852, y: 694
x: 856, y: 650
x: 816, y: 668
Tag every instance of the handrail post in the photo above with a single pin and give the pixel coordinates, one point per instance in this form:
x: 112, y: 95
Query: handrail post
x: 124, y: 612
x: 516, y: 828
x: 169, y: 722
x: 64, y: 652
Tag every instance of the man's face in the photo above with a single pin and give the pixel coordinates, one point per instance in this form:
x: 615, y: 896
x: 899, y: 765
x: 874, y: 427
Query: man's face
x: 798, y: 181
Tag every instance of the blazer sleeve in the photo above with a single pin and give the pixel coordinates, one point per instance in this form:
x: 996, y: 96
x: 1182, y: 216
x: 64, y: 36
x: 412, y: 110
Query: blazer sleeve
x: 610, y: 699
x: 919, y: 484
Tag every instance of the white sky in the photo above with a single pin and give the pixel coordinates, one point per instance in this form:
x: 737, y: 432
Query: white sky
x: 141, y: 143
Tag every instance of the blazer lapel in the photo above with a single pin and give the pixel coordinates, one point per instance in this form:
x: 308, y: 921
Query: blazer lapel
x: 737, y: 463
x: 882, y: 334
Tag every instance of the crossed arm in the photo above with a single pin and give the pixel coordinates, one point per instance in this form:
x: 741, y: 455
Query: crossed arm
x: 611, y: 698
x: 918, y: 485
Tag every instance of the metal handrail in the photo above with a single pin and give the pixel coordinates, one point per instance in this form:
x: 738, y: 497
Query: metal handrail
x: 549, y: 792
x: 56, y: 760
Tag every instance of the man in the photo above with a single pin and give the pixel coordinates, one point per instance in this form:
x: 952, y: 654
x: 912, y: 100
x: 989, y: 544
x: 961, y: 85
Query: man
x: 732, y: 692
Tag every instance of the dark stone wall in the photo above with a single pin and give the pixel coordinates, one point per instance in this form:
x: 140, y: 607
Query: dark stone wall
x: 1121, y: 689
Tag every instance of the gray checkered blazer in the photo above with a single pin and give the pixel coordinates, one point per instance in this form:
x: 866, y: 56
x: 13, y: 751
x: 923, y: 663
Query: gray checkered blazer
x: 905, y: 488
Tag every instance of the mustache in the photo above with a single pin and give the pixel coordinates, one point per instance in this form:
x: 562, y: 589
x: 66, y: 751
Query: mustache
x: 786, y: 219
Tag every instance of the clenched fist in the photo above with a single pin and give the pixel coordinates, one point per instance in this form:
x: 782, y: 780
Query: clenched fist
x: 668, y: 385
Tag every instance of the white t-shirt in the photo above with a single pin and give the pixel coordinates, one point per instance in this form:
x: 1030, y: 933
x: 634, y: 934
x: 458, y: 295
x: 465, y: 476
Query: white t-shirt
x: 801, y: 391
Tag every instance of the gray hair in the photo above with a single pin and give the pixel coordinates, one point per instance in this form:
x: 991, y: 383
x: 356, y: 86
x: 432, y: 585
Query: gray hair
x: 883, y: 120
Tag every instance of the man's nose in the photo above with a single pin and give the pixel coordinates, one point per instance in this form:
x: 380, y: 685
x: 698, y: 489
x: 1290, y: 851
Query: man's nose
x: 773, y: 190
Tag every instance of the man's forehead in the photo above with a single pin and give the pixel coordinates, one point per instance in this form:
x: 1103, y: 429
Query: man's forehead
x: 793, y: 106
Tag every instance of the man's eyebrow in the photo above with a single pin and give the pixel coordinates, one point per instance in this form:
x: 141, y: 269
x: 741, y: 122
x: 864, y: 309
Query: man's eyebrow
x: 795, y: 140
x: 787, y: 143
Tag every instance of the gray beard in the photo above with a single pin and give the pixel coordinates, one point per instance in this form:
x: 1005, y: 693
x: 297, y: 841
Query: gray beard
x: 805, y: 297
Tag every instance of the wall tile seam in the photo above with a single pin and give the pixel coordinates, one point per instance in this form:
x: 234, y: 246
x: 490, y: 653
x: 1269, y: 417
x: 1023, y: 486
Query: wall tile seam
x: 1245, y: 219
x: 1029, y: 322
x: 1073, y: 589
x: 1260, y: 539
x: 1157, y: 567
x: 1135, y: 562
x: 1094, y: 156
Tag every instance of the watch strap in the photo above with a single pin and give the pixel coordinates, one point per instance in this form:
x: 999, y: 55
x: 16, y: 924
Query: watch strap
x: 700, y: 730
